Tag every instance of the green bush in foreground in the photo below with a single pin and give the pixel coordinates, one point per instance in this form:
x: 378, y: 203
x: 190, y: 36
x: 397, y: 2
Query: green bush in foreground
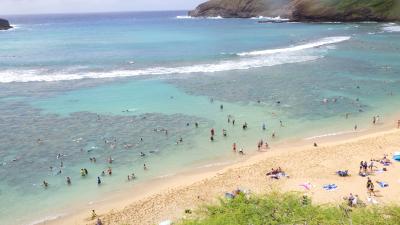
x: 289, y: 208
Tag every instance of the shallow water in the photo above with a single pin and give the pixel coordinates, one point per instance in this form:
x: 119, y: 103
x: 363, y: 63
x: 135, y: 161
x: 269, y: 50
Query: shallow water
x: 123, y: 77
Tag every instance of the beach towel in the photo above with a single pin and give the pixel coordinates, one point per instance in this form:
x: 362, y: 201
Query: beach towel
x: 166, y: 222
x: 371, y: 200
x: 383, y: 184
x: 379, y: 171
x: 330, y: 187
x: 229, y: 195
x: 307, y: 186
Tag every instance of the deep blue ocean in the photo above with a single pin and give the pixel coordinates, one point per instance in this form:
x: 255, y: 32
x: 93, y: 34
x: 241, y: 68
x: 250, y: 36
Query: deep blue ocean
x: 78, y: 86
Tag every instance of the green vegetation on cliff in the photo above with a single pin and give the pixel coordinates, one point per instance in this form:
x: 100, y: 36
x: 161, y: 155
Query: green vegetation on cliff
x: 304, y: 10
x: 289, y: 208
x: 346, y: 10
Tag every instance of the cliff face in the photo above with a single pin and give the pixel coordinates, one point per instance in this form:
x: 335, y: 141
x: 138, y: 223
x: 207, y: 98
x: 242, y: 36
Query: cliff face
x: 242, y: 8
x: 303, y: 10
x: 346, y: 10
x: 4, y: 24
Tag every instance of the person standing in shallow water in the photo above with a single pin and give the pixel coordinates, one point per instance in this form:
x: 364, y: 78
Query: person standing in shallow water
x: 98, y: 181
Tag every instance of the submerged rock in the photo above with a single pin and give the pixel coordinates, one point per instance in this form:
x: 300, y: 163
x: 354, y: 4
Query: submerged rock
x: 4, y: 24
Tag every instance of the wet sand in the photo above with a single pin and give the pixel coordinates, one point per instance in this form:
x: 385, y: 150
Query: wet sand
x: 167, y: 198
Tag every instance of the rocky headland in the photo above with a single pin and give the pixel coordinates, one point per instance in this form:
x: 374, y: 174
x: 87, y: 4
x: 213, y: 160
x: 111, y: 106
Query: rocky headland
x: 303, y: 10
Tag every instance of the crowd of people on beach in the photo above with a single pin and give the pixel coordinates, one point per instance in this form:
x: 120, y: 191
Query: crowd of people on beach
x: 366, y: 167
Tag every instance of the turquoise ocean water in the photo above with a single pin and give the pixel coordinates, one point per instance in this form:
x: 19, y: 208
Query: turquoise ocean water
x: 94, y: 85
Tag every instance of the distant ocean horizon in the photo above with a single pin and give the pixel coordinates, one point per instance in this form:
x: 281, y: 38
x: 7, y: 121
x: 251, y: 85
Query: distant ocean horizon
x: 132, y: 86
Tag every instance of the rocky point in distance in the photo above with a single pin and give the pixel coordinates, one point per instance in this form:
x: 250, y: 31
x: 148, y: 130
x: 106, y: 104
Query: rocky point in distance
x: 4, y: 24
x: 303, y: 10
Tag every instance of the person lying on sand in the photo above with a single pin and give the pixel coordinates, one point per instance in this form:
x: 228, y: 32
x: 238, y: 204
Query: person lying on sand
x: 277, y: 173
x: 343, y: 173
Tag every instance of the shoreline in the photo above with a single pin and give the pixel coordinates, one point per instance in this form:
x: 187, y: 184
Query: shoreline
x: 151, y: 201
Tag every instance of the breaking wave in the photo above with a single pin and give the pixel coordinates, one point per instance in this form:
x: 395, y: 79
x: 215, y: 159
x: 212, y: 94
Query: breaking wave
x: 319, y: 43
x: 391, y: 27
x: 246, y: 60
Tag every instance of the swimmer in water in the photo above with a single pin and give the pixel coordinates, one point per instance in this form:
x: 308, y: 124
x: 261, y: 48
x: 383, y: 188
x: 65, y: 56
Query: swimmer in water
x: 196, y: 125
x: 224, y: 132
x: 234, y: 147
x: 45, y: 184
x: 69, y: 180
x: 98, y: 182
x: 142, y: 154
x: 212, y: 138
x: 264, y: 127
x: 144, y: 167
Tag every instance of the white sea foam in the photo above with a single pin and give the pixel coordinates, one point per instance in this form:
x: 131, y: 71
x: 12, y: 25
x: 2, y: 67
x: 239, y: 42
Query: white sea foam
x: 278, y: 18
x: 329, y: 135
x: 46, y: 219
x: 214, y: 17
x: 247, y: 60
x: 319, y: 43
x: 185, y: 17
x: 391, y: 27
x: 9, y: 76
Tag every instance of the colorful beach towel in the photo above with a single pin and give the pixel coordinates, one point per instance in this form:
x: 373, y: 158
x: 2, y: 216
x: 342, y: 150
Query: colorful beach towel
x: 383, y: 184
x: 307, y: 186
x: 330, y: 187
